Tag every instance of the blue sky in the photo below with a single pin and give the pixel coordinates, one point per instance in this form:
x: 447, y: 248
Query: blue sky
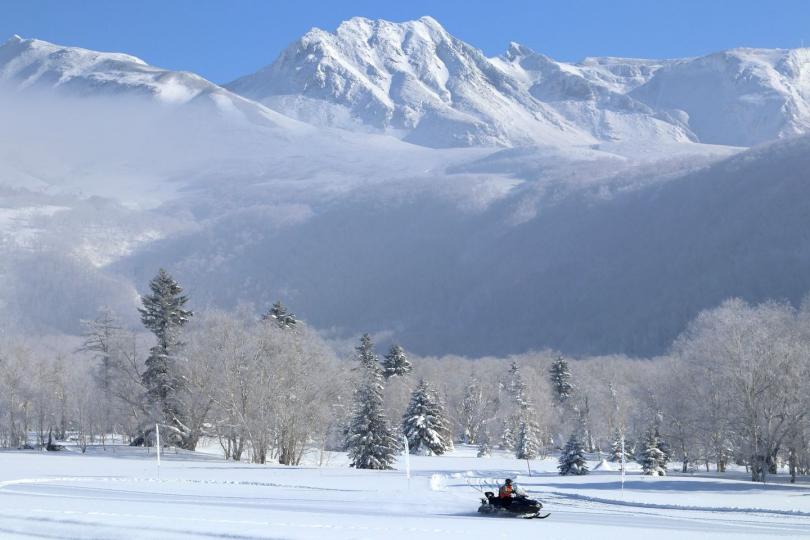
x: 224, y: 39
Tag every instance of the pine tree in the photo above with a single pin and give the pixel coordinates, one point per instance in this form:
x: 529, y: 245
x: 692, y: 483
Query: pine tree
x: 425, y: 424
x: 572, y: 459
x: 522, y: 430
x: 616, y: 448
x: 281, y: 316
x: 396, y: 363
x: 666, y: 452
x: 517, y: 388
x: 471, y: 411
x: 369, y: 439
x: 653, y: 461
x: 511, y: 425
x: 484, y: 449
x: 527, y: 446
x: 561, y: 380
x: 366, y: 355
x: 164, y: 314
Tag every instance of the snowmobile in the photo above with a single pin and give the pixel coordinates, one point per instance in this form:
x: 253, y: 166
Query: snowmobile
x: 519, y: 505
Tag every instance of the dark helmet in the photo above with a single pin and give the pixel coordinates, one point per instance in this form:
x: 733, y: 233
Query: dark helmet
x: 508, y: 481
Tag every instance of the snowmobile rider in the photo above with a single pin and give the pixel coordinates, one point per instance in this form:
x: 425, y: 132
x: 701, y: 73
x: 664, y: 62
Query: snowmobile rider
x: 506, y: 491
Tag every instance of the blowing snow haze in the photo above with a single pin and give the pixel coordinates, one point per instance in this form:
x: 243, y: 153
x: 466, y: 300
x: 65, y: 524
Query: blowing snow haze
x: 391, y: 178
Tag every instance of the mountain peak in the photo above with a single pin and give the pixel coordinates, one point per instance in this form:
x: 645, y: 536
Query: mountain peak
x: 13, y: 39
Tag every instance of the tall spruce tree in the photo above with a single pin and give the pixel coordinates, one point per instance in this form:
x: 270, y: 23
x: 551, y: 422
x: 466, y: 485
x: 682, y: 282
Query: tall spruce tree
x: 366, y: 355
x: 561, y: 380
x: 616, y: 448
x: 164, y: 314
x: 396, y: 363
x: 652, y: 459
x: 279, y: 314
x: 425, y: 423
x: 369, y: 439
x: 471, y: 411
x: 527, y: 446
x: 522, y: 428
x: 572, y: 459
x: 484, y: 449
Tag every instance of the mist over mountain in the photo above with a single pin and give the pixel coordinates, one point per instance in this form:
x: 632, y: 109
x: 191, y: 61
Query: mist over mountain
x: 390, y: 178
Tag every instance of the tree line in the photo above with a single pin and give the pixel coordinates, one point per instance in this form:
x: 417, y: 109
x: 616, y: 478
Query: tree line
x: 735, y: 388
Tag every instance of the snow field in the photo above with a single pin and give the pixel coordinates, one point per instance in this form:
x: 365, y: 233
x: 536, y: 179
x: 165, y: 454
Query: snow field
x: 116, y: 494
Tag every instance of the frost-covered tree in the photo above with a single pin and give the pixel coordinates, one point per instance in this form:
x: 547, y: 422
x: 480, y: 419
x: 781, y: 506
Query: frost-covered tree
x: 281, y: 316
x: 484, y: 449
x: 366, y: 355
x: 666, y: 451
x: 527, y: 445
x: 616, y: 448
x: 164, y: 314
x: 102, y: 338
x: 583, y: 411
x: 370, y: 441
x: 509, y: 432
x: 652, y: 459
x: 471, y: 411
x: 572, y: 458
x: 517, y: 388
x: 396, y: 363
x: 425, y: 424
x: 521, y: 432
x: 561, y: 380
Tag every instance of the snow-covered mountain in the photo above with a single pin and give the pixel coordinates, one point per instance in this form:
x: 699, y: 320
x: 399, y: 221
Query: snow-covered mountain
x: 30, y: 65
x: 417, y: 81
x: 411, y: 78
x: 573, y: 203
x: 739, y: 97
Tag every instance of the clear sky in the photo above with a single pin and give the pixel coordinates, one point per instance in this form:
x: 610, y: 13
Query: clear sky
x: 222, y: 39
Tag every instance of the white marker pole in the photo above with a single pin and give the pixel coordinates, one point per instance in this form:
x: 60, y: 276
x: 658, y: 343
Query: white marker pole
x: 622, y: 465
x: 407, y: 461
x: 157, y: 444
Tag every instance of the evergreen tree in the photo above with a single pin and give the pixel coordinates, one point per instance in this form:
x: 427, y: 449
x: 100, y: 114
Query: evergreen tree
x: 616, y: 448
x: 471, y: 411
x: 517, y: 388
x: 666, y: 452
x: 163, y: 313
x: 561, y: 380
x: 509, y: 433
x: 366, y: 355
x: 281, y: 316
x: 425, y: 424
x: 484, y: 449
x: 522, y: 430
x: 572, y: 459
x: 369, y: 439
x: 396, y: 363
x: 653, y: 461
x: 527, y: 446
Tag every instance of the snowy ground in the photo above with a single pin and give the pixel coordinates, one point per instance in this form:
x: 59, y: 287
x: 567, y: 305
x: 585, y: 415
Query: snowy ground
x: 116, y: 494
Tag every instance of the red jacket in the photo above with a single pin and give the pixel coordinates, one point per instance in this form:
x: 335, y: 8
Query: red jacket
x: 505, y: 492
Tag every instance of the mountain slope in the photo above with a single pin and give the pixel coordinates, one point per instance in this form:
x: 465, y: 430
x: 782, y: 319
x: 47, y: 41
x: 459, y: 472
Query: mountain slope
x: 30, y: 65
x: 739, y: 97
x: 418, y: 82
x: 103, y: 180
x: 616, y: 267
x: 593, y: 95
x: 410, y: 77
